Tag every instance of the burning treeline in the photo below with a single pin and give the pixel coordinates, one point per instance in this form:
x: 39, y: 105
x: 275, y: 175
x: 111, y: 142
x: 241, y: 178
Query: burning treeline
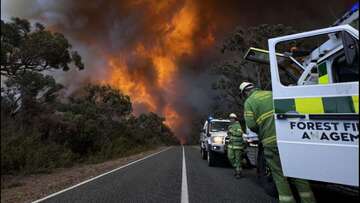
x: 151, y: 48
x: 144, y: 44
x: 149, y: 71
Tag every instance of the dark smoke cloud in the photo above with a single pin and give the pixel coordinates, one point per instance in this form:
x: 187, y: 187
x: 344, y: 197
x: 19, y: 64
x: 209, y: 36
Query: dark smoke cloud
x: 112, y: 27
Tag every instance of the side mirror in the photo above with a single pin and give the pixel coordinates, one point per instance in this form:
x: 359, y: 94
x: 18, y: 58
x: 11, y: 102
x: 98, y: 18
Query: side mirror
x: 351, y: 47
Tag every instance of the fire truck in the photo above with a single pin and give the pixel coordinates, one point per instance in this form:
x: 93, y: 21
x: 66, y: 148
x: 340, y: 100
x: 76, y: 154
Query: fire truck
x: 315, y: 84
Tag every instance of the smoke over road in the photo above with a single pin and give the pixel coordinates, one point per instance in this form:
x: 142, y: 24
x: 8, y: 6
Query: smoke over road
x: 159, y: 52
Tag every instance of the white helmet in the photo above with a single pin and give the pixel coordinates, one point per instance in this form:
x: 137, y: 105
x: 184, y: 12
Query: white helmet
x: 245, y: 85
x: 232, y: 115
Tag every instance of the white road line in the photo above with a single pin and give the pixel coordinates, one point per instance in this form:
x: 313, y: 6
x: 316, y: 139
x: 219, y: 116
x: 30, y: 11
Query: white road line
x: 184, y: 185
x: 91, y: 179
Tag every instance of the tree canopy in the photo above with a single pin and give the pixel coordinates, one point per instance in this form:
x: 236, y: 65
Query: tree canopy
x: 234, y: 69
x: 33, y: 48
x: 42, y: 129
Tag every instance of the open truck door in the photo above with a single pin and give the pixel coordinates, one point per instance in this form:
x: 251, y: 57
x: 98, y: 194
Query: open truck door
x: 316, y: 117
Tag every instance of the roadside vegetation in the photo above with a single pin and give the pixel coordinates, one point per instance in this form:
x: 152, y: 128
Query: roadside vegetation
x: 41, y: 129
x: 233, y: 69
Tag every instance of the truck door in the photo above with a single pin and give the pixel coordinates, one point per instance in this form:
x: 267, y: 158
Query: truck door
x: 316, y: 118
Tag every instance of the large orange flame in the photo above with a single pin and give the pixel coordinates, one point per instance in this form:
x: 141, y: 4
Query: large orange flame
x: 175, y: 40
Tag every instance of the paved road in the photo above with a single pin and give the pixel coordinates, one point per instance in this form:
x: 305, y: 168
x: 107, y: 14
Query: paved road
x: 163, y: 177
x: 155, y: 179
x: 217, y: 184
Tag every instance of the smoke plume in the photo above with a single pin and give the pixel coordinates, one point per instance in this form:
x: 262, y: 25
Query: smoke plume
x: 159, y: 52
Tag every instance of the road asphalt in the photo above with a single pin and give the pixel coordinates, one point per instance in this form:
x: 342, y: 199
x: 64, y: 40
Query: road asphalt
x: 166, y: 177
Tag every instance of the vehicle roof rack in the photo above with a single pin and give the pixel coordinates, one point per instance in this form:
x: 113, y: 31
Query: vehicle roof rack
x: 349, y: 16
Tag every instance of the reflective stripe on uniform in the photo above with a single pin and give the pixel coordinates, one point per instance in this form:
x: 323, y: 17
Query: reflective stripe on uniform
x: 249, y: 113
x: 306, y: 194
x: 234, y: 138
x: 269, y: 140
x: 264, y: 116
x: 262, y: 95
x: 313, y: 105
x: 234, y: 147
x: 236, y: 141
x: 286, y: 198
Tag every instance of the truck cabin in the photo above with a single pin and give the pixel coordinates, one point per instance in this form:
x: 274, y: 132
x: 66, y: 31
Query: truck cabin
x: 215, y: 125
x: 323, y: 59
x: 320, y: 59
x: 219, y: 125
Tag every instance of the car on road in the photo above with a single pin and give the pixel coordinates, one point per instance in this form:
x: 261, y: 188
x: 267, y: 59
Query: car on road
x: 212, y: 140
x: 213, y: 148
x: 251, y: 138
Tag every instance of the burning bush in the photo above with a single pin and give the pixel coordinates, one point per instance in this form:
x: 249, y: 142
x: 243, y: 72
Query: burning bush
x: 41, y: 130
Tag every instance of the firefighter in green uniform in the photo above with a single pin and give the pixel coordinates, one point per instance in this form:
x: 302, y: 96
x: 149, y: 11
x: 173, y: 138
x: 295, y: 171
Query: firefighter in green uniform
x: 236, y: 145
x: 259, y: 117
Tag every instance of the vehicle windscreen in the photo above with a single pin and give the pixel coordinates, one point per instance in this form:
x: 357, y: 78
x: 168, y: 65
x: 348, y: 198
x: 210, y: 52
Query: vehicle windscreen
x: 219, y: 126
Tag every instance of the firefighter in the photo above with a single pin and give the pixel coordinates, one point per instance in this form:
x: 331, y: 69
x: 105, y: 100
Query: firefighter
x: 236, y: 145
x: 259, y: 117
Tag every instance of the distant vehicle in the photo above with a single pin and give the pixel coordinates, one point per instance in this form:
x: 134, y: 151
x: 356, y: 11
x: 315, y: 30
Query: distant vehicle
x: 212, y: 140
x: 213, y: 148
x: 317, y: 104
x: 251, y: 150
x: 250, y: 137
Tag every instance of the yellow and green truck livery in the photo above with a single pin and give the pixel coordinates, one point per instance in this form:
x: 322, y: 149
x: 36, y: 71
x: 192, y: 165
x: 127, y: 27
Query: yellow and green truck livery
x: 317, y: 112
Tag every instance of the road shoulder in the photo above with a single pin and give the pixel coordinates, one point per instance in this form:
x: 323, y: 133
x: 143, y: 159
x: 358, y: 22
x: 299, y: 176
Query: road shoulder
x: 32, y: 187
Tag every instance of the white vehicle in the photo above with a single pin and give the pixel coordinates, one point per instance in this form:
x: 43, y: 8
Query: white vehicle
x: 251, y: 138
x: 317, y: 105
x: 212, y: 140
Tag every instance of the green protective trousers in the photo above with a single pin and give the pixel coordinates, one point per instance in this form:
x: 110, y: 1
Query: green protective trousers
x: 259, y: 117
x: 283, y: 183
x: 235, y: 158
x: 236, y: 145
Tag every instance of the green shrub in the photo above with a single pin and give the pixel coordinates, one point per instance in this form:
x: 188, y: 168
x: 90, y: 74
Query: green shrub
x: 81, y: 131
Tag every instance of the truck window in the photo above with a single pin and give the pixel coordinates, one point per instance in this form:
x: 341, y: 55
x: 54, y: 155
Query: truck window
x: 287, y: 65
x: 355, y: 24
x: 219, y: 126
x: 324, y: 59
x: 344, y: 72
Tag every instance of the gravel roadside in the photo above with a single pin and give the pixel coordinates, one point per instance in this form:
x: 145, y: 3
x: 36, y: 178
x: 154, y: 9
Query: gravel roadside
x: 32, y: 187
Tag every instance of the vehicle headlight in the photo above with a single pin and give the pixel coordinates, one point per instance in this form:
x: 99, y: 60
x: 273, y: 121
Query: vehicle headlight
x: 217, y: 139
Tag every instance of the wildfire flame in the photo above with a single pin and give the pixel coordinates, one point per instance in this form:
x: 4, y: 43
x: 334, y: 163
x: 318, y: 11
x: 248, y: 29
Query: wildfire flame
x: 155, y: 51
x: 175, y: 40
